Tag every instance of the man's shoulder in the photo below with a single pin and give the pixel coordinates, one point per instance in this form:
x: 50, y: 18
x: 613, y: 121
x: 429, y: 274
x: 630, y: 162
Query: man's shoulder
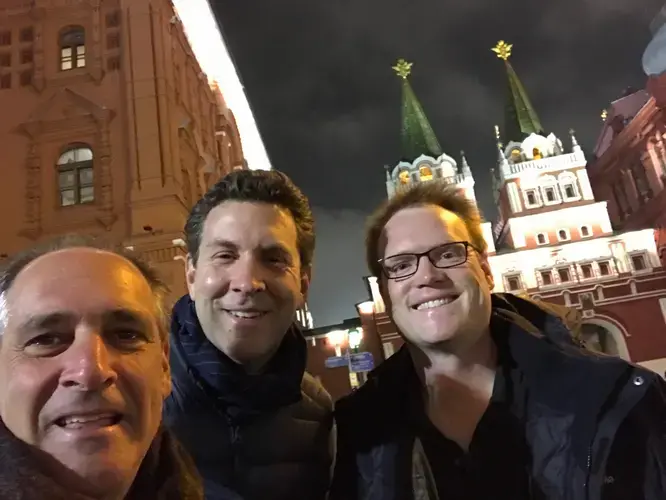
x: 381, y: 393
x: 315, y: 392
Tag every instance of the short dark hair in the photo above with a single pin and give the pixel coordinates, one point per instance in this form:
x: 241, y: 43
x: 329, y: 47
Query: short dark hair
x: 436, y: 192
x: 259, y: 186
x: 13, y: 266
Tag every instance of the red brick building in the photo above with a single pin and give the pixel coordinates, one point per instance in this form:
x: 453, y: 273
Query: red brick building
x: 109, y: 126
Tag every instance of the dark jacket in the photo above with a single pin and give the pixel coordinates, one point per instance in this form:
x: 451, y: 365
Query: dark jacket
x: 166, y: 473
x: 595, y: 425
x: 261, y: 437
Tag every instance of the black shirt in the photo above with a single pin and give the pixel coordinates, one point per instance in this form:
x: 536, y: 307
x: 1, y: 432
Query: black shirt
x: 497, y: 463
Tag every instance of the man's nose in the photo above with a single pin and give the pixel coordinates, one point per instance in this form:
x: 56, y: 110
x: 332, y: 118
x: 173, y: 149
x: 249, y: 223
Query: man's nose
x: 88, y: 364
x: 427, y: 273
x: 247, y: 276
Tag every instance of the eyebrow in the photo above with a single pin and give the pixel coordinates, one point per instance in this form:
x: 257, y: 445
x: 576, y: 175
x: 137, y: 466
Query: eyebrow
x: 125, y: 316
x: 219, y: 242
x: 46, y: 321
x: 55, y: 319
x: 270, y: 247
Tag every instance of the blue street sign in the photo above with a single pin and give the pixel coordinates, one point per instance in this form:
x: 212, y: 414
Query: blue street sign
x: 336, y: 361
x: 361, y: 362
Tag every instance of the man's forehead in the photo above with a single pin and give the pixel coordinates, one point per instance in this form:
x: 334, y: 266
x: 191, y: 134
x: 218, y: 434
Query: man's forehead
x: 242, y: 222
x: 72, y: 273
x: 424, y: 225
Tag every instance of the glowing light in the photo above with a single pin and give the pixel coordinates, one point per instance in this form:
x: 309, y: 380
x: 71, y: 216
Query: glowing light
x: 337, y: 337
x: 367, y: 307
x: 208, y: 46
x: 355, y: 338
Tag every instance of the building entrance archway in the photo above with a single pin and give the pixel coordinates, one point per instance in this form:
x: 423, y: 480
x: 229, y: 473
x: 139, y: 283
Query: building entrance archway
x: 605, y: 337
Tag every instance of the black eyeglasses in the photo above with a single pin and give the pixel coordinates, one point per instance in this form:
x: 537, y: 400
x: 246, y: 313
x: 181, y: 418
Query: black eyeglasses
x: 443, y: 256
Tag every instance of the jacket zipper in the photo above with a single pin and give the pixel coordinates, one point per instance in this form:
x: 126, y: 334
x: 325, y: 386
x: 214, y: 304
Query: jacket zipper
x: 588, y: 472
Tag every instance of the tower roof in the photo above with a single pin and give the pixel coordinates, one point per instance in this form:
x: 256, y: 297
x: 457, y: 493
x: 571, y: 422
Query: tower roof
x: 520, y: 118
x: 417, y: 135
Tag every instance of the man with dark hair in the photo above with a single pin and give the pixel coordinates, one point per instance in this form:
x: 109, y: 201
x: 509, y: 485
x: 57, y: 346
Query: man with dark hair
x: 490, y: 397
x: 84, y: 373
x: 257, y: 425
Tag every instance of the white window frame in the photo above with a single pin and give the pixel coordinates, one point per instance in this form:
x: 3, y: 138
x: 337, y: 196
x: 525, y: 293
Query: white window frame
x: 518, y: 276
x: 646, y: 261
x: 553, y: 282
x: 571, y: 275
x: 589, y: 231
x: 550, y: 182
x: 611, y: 268
x: 546, y: 239
x: 579, y: 270
x: 537, y: 197
x: 566, y: 231
x: 568, y: 179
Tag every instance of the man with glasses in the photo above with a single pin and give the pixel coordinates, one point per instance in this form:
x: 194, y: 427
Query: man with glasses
x: 491, y: 396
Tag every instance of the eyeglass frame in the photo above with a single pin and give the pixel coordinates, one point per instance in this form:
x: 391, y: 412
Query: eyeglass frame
x: 420, y: 255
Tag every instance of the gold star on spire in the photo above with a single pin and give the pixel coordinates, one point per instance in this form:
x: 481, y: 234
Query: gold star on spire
x: 503, y: 50
x: 403, y: 68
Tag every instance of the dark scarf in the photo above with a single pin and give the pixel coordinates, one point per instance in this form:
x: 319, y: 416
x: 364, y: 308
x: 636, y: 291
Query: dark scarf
x: 239, y: 395
x: 165, y: 474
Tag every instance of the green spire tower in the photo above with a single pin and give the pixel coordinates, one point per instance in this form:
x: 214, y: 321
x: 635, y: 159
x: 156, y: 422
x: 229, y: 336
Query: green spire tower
x: 520, y: 119
x: 418, y: 138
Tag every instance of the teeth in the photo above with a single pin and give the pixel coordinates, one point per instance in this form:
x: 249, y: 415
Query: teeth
x: 246, y: 314
x: 77, y: 421
x: 435, y: 303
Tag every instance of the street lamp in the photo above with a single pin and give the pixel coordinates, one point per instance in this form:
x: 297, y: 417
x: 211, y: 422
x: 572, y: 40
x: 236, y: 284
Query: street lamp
x: 337, y: 338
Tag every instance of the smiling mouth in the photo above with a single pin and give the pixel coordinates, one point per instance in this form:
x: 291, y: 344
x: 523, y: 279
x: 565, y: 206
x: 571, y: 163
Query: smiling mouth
x: 246, y: 314
x: 83, y: 421
x: 432, y: 304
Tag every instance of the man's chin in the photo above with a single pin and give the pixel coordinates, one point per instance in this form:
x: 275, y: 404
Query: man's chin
x: 96, y: 474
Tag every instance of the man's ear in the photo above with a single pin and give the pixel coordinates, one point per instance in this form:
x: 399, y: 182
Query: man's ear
x: 382, y: 282
x: 485, y: 266
x: 166, y: 366
x: 190, y: 275
x: 306, y: 276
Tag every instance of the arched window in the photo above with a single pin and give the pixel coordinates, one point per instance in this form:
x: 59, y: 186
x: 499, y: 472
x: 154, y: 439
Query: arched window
x: 563, y: 235
x: 516, y: 155
x: 597, y: 339
x: 75, y: 176
x: 536, y: 154
x: 404, y: 177
x: 425, y: 173
x: 72, y: 45
x: 568, y: 186
x: 550, y: 192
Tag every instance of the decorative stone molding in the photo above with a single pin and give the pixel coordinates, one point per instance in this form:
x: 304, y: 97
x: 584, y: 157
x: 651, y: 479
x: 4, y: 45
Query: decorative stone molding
x: 65, y: 110
x: 33, y: 199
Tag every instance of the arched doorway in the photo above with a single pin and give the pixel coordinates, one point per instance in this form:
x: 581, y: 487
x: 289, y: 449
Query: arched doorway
x: 604, y: 337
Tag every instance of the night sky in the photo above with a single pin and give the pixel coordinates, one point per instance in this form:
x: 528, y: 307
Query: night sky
x: 318, y: 77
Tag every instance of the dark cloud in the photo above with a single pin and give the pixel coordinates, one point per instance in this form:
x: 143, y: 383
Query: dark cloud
x: 318, y: 76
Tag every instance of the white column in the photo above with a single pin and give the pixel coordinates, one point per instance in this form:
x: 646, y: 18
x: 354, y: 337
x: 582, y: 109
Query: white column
x: 514, y: 197
x: 586, y: 188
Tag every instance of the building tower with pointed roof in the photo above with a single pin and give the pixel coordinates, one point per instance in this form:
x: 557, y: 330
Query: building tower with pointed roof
x: 539, y: 186
x: 422, y: 156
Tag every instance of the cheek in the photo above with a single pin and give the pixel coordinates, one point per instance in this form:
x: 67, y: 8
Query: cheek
x: 25, y: 388
x: 142, y: 381
x: 209, y: 282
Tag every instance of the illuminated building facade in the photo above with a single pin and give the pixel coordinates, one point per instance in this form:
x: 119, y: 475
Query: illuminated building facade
x: 553, y: 239
x: 109, y: 127
x: 629, y: 169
